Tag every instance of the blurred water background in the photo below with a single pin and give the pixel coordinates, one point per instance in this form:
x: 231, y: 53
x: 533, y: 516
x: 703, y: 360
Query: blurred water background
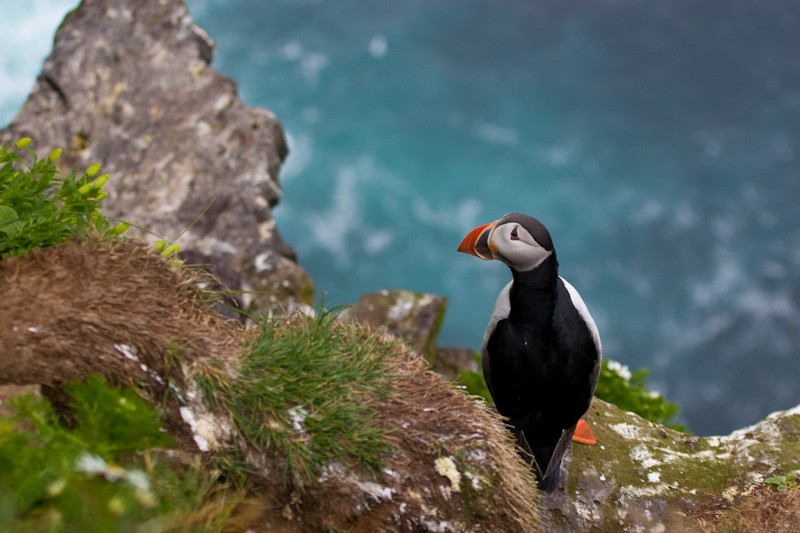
x: 658, y: 141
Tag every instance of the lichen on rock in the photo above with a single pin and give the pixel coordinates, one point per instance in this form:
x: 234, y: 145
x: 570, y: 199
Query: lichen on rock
x: 644, y: 477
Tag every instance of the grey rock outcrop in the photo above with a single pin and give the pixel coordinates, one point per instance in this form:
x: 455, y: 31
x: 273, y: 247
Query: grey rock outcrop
x: 644, y: 477
x: 132, y: 88
x: 450, y: 361
x: 410, y: 316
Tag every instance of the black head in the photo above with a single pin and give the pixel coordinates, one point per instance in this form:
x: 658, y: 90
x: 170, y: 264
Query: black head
x: 520, y: 241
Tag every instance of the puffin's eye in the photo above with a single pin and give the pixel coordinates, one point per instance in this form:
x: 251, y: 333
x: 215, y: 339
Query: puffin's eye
x: 514, y: 236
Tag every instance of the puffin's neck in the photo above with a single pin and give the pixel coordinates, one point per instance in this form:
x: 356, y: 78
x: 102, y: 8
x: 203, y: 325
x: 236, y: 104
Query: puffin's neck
x: 533, y: 292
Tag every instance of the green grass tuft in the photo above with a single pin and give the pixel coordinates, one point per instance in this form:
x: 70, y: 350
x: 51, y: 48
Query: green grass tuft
x: 305, y: 392
x: 628, y: 391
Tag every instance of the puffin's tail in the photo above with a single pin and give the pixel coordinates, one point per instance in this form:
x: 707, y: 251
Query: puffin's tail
x: 546, y: 481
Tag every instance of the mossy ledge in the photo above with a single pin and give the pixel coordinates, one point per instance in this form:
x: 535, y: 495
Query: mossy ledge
x: 643, y: 476
x: 326, y: 425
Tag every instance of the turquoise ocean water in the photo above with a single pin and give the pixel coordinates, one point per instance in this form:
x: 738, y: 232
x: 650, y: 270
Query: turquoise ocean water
x: 658, y: 141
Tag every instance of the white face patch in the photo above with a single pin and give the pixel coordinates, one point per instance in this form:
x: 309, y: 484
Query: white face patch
x: 512, y: 244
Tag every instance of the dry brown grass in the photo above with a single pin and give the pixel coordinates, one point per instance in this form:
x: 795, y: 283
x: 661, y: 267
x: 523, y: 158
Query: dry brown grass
x: 118, y: 310
x: 112, y: 308
x: 762, y: 510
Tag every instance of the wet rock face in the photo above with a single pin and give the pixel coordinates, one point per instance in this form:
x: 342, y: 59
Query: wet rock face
x: 132, y: 89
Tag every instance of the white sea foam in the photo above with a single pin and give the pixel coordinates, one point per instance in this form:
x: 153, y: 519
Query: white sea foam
x: 312, y: 64
x: 496, y: 134
x: 292, y: 51
x: 301, y: 149
x: 559, y: 154
x: 26, y: 36
x: 332, y: 226
x: 461, y: 216
x: 378, y: 241
x: 378, y: 46
x: 648, y: 212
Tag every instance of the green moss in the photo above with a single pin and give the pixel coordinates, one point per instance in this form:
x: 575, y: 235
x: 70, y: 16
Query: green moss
x: 476, y: 500
x: 790, y: 442
x: 307, y: 292
x: 652, y: 461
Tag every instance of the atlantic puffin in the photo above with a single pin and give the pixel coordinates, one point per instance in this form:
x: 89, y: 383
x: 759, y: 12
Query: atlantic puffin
x: 541, y: 351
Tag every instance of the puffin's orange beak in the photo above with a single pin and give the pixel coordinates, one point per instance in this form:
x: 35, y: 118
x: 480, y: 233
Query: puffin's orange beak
x: 477, y: 242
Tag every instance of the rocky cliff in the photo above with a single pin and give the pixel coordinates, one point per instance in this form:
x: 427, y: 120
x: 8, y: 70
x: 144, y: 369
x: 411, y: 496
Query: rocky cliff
x: 131, y: 86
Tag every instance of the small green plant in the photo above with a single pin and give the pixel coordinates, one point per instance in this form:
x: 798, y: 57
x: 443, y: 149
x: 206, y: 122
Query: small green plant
x: 617, y: 384
x: 39, y: 207
x: 474, y: 381
x: 114, y: 421
x: 304, y: 391
x: 97, y: 476
x: 782, y: 483
x: 628, y: 390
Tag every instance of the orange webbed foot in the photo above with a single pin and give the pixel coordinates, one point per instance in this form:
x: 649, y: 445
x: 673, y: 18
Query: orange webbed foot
x: 583, y: 433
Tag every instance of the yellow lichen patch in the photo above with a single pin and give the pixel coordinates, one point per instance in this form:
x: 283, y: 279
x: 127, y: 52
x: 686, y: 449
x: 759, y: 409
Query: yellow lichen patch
x: 446, y: 467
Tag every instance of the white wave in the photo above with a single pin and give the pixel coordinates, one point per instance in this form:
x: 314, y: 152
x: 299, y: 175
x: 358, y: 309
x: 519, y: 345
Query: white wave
x: 560, y: 154
x: 688, y: 336
x: 633, y: 278
x: 300, y: 151
x: 311, y: 115
x: 378, y: 46
x: 762, y: 305
x: 292, y: 51
x: 727, y: 278
x: 685, y: 217
x: 332, y: 226
x: 709, y: 142
x: 26, y: 37
x: 648, y: 212
x: 340, y: 229
x: 377, y: 241
x: 496, y: 134
x: 462, y: 216
x: 311, y: 63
